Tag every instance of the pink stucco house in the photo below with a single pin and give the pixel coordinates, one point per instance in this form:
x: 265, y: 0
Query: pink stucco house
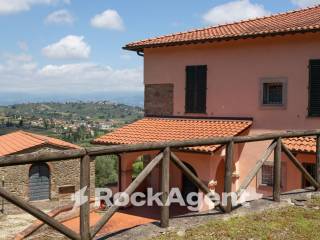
x: 250, y: 77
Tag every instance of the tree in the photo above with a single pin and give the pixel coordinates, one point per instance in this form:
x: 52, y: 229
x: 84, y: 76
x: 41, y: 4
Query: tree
x: 106, y: 170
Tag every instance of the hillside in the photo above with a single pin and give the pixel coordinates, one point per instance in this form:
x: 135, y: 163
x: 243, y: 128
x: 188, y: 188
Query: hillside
x: 77, y: 122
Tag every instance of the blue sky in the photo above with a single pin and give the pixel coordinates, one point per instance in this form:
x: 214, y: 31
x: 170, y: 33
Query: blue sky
x: 52, y: 46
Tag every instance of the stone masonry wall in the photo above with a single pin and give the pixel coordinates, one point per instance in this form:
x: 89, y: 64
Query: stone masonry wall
x: 158, y: 99
x: 62, y: 174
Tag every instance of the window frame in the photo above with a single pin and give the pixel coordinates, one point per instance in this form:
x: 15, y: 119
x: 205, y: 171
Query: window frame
x: 266, y: 184
x: 283, y: 182
x: 194, y: 111
x: 277, y: 80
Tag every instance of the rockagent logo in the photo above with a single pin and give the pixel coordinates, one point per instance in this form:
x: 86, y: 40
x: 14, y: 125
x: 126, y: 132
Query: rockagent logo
x: 193, y: 201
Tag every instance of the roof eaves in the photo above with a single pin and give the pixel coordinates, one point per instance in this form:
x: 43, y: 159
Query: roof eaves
x: 311, y: 29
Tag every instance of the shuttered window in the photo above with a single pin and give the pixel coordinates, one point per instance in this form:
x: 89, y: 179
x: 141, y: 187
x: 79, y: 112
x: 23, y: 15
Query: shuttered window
x: 314, y: 88
x: 196, y: 89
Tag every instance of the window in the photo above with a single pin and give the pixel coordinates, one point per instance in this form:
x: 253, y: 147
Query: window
x: 267, y: 171
x: 314, y: 88
x: 196, y: 89
x: 67, y: 189
x: 267, y: 175
x: 273, y: 92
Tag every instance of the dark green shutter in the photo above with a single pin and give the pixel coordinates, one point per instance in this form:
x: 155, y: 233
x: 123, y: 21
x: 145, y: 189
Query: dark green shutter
x: 196, y: 89
x: 202, y: 89
x: 314, y: 88
x: 190, y: 71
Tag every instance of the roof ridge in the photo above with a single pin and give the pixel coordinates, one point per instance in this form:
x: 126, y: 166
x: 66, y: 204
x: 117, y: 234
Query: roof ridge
x: 228, y: 24
x: 183, y: 118
x: 36, y: 136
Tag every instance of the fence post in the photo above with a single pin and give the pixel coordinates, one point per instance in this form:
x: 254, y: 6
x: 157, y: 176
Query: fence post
x: 228, y: 175
x: 165, y: 172
x: 318, y: 160
x: 277, y: 172
x: 85, y: 198
x: 2, y: 199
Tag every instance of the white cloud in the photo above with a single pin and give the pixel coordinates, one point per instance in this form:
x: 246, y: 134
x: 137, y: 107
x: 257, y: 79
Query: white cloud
x: 23, y: 46
x: 109, y: 19
x: 305, y: 3
x: 15, y: 6
x: 62, y: 16
x: 92, y: 77
x: 20, y: 73
x: 234, y: 11
x: 69, y: 47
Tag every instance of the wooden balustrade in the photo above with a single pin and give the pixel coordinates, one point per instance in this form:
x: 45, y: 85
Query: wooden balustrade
x: 164, y: 157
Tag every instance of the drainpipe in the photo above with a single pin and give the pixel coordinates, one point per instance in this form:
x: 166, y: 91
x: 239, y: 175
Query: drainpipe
x: 140, y: 53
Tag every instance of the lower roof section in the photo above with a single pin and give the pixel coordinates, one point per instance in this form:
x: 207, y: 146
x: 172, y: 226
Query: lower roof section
x: 16, y: 142
x: 152, y: 129
x: 301, y: 144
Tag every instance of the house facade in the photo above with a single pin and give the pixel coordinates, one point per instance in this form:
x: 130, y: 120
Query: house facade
x: 46, y: 185
x: 266, y: 70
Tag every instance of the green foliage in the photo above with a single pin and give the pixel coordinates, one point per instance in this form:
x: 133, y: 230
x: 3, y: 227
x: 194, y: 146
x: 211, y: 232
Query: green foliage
x: 106, y: 170
x: 137, y: 167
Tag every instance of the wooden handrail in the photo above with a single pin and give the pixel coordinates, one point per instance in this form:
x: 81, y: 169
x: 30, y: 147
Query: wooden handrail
x: 86, y: 154
x: 116, y: 149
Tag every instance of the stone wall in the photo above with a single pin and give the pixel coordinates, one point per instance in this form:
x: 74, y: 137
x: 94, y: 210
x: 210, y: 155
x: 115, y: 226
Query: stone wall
x: 64, y: 179
x: 158, y: 99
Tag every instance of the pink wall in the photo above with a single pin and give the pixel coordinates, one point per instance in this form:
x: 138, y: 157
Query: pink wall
x: 234, y: 72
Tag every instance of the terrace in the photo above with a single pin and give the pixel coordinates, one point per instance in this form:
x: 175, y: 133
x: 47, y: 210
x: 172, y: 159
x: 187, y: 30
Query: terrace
x: 165, y: 156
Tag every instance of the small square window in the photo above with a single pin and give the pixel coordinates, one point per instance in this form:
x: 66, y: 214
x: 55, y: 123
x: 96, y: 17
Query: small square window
x: 272, y: 93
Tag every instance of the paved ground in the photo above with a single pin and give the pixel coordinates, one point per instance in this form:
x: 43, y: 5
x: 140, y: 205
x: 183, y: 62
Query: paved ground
x: 12, y: 224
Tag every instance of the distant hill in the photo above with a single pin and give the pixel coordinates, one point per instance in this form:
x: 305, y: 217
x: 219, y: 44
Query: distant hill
x: 76, y: 122
x: 74, y: 110
x: 132, y: 98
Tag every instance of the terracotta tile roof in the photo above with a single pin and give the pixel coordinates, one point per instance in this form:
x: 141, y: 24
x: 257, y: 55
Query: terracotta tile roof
x: 16, y: 142
x: 301, y: 144
x: 149, y: 130
x: 305, y: 20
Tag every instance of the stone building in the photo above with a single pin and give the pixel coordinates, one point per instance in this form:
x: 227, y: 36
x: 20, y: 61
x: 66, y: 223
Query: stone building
x: 46, y: 185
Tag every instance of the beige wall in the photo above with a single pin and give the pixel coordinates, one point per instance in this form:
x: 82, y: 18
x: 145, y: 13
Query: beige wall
x: 234, y: 72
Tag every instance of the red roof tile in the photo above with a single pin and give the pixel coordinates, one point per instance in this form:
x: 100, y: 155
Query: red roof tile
x: 16, y: 142
x: 149, y: 130
x: 301, y: 144
x: 305, y: 20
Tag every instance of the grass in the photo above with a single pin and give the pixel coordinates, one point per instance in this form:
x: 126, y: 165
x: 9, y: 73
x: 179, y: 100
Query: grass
x: 277, y: 224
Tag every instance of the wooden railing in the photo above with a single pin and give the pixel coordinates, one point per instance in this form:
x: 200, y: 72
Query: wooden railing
x: 164, y: 157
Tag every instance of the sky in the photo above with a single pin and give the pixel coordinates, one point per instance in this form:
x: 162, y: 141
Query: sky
x: 74, y: 47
